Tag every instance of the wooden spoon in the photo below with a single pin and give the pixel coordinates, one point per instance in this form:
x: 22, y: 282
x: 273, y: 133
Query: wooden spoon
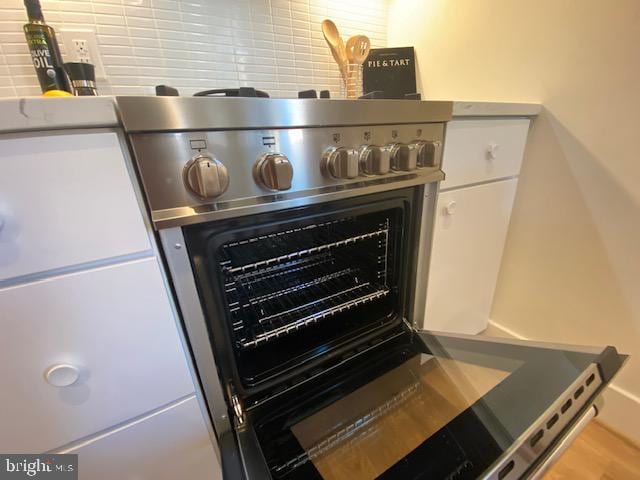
x: 358, y: 48
x: 336, y: 45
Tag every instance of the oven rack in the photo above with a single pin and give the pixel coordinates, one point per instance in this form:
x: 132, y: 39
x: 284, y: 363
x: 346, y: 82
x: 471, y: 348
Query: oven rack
x: 343, y: 434
x: 325, y: 307
x: 305, y: 252
x: 313, y: 281
x: 260, y: 285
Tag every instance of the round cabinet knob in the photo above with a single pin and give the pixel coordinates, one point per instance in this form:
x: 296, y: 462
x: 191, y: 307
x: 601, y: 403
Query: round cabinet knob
x: 428, y: 153
x: 374, y: 160
x: 403, y: 157
x: 274, y: 171
x: 206, y: 177
x: 341, y: 162
x: 62, y: 375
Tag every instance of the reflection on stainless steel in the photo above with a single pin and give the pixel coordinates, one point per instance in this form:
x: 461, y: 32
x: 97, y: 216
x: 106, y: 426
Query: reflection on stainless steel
x: 374, y: 160
x: 195, y: 325
x: 292, y: 165
x: 155, y: 114
x: 341, y: 162
x: 403, y: 157
x: 206, y: 177
x: 273, y: 171
x: 428, y: 152
x: 173, y: 217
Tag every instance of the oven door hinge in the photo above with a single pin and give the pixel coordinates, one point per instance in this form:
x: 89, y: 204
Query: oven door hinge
x: 236, y: 406
x: 411, y: 326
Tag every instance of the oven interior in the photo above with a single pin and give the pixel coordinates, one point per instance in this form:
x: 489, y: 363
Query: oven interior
x: 286, y: 292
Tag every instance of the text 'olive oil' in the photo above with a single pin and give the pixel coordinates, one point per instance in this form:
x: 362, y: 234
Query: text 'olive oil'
x: 44, y: 49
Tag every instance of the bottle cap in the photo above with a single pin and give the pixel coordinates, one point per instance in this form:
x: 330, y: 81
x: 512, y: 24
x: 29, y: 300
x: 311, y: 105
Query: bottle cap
x: 56, y: 93
x: 34, y: 10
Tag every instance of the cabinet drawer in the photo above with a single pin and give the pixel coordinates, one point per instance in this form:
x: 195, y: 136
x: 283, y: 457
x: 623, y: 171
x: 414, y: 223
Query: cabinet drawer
x: 481, y: 150
x: 468, y: 239
x: 65, y: 199
x: 170, y: 445
x: 115, y: 325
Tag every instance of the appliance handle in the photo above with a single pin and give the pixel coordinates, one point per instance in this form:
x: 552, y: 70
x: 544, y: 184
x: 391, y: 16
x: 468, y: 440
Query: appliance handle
x: 564, y: 443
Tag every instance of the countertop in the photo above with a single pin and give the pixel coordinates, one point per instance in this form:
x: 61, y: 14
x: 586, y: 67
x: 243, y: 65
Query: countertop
x: 495, y: 109
x: 39, y: 113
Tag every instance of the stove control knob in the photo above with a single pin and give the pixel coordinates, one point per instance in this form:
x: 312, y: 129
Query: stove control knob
x: 428, y: 152
x: 403, y: 157
x: 206, y: 176
x: 340, y: 162
x: 273, y: 171
x: 373, y: 160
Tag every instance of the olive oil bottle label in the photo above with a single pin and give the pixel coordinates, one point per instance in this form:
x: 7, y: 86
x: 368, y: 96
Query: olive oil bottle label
x: 50, y: 74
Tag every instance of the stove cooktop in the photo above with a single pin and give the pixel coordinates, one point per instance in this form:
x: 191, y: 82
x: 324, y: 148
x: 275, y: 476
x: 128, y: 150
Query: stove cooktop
x: 250, y: 92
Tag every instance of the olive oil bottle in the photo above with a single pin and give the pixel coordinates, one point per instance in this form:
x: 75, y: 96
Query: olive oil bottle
x: 44, y: 49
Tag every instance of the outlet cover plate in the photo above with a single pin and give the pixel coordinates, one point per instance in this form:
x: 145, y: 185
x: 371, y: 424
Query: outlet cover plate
x: 89, y: 36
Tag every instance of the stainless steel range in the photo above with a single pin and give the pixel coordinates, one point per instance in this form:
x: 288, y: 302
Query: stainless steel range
x: 291, y: 231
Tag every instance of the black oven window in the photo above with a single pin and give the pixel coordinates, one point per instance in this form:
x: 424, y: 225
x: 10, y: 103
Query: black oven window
x: 280, y: 283
x: 303, y: 288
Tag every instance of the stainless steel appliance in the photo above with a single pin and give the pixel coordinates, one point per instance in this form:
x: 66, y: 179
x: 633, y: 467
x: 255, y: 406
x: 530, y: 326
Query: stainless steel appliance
x: 290, y: 229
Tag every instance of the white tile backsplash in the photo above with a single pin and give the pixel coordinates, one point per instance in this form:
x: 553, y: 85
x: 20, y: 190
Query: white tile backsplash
x: 193, y: 45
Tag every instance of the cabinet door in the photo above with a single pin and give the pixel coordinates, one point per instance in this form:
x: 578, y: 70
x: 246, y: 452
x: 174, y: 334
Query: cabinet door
x: 469, y: 235
x: 484, y: 149
x: 113, y: 326
x: 65, y: 199
x: 172, y: 444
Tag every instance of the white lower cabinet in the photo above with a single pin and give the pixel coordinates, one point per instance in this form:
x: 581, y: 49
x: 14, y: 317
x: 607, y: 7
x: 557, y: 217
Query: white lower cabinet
x: 111, y: 338
x: 479, y: 150
x: 170, y: 445
x: 468, y: 240
x: 65, y: 199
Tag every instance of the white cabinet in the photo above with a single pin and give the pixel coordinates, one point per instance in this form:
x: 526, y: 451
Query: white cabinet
x: 115, y: 325
x: 480, y: 150
x: 469, y: 234
x: 65, y: 199
x: 481, y: 161
x: 169, y: 445
x: 91, y: 356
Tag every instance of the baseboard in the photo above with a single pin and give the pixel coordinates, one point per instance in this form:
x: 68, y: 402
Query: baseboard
x: 621, y: 411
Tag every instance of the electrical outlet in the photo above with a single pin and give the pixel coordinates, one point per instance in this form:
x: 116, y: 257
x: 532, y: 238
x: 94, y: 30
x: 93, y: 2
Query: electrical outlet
x: 81, y: 45
x: 81, y: 50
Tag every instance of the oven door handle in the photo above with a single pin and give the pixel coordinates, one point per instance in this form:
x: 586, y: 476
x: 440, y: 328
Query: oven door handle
x: 564, y: 443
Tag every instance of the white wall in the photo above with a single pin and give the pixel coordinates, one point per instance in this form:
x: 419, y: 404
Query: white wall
x: 275, y: 45
x: 571, y: 268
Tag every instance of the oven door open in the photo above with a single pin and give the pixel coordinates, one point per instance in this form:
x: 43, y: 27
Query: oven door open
x: 424, y: 405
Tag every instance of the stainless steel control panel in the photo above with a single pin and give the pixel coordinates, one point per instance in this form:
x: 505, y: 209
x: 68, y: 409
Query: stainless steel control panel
x: 218, y: 170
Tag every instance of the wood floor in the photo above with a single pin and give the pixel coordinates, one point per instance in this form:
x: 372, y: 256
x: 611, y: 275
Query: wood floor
x: 598, y: 454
